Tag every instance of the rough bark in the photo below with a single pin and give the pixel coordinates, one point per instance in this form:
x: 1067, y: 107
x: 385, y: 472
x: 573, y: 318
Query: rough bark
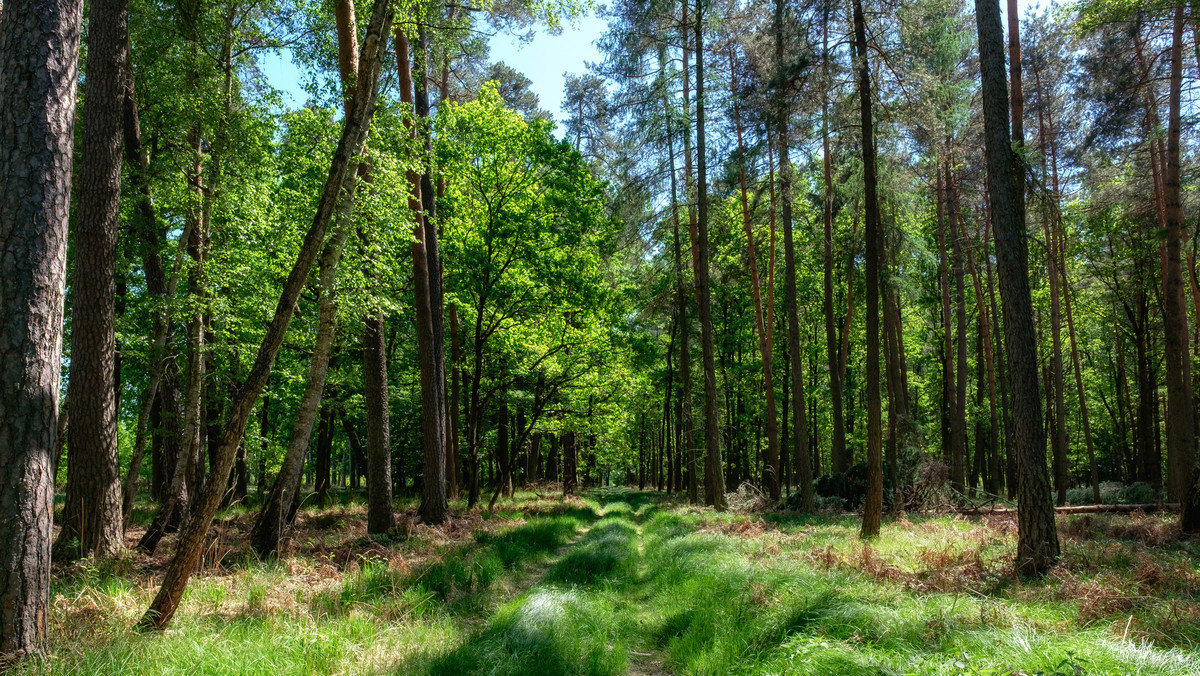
x: 1180, y: 420
x: 455, y: 406
x: 91, y: 518
x: 1037, y: 539
x: 322, y: 475
x: 39, y: 47
x: 380, y: 517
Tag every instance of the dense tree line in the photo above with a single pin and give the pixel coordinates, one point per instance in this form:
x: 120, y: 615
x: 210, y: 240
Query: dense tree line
x: 811, y: 247
x: 995, y: 305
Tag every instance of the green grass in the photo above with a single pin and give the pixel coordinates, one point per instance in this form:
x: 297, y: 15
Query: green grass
x: 625, y: 582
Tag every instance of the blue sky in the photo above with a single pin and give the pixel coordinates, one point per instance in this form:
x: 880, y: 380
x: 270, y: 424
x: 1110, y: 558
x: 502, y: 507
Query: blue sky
x: 544, y: 61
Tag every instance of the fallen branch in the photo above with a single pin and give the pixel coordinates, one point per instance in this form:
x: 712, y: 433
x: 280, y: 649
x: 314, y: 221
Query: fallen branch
x: 1083, y: 509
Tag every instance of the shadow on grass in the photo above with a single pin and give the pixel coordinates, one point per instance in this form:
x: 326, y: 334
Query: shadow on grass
x: 566, y: 625
x: 462, y: 579
x: 547, y: 632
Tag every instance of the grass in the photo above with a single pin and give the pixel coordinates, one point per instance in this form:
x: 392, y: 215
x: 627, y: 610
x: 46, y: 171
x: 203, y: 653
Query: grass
x: 623, y: 582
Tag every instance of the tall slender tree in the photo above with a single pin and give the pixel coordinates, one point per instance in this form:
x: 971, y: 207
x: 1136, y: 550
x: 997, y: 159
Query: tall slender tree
x: 714, y: 484
x: 268, y: 528
x: 772, y: 474
x: 873, y: 507
x: 1181, y: 434
x: 427, y: 273
x: 1037, y: 538
x: 91, y: 523
x: 800, y: 439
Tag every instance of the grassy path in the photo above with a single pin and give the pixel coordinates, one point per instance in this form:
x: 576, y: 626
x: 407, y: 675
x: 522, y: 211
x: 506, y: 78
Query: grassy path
x: 652, y: 590
x: 633, y: 583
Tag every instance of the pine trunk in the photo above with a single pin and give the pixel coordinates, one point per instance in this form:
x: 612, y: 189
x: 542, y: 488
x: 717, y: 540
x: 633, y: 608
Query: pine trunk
x: 873, y: 504
x: 39, y: 48
x: 714, y: 485
x: 1037, y: 539
x: 91, y: 517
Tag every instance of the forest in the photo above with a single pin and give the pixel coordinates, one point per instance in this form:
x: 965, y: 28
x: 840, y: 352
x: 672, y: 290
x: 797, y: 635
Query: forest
x: 808, y: 337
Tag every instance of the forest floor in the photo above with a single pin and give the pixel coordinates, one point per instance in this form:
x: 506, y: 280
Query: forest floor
x: 619, y: 582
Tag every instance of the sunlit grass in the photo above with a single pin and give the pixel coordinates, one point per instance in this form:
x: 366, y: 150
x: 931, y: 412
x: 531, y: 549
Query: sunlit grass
x: 625, y: 582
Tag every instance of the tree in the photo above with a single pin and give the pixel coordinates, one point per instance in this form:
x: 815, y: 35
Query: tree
x: 427, y: 280
x: 800, y: 446
x: 1181, y: 435
x: 1037, y: 539
x: 772, y: 472
x: 193, y: 535
x: 39, y: 47
x: 873, y: 507
x: 714, y: 484
x: 91, y: 523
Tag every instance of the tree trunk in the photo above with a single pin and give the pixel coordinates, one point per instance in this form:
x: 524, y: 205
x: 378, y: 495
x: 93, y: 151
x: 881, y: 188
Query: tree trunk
x: 570, y: 461
x: 191, y: 542
x: 380, y: 518
x: 683, y: 403
x: 772, y: 470
x: 950, y: 408
x: 427, y: 276
x: 1181, y: 436
x: 324, y: 460
x: 455, y: 405
x: 91, y: 517
x: 800, y: 440
x: 1059, y: 427
x: 958, y: 423
x: 714, y: 487
x: 268, y: 527
x: 1037, y: 540
x: 873, y: 505
x: 685, y: 352
x: 992, y: 484
x: 504, y: 456
x: 839, y: 460
x: 39, y: 47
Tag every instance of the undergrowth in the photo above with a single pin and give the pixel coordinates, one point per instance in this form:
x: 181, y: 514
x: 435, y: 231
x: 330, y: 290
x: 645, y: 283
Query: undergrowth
x: 623, y: 582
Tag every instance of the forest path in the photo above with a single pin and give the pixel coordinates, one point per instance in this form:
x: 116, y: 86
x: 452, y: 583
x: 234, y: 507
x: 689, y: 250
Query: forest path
x: 584, y: 611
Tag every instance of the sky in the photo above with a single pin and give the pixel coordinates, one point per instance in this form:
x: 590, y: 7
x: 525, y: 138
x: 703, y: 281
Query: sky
x: 544, y: 61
